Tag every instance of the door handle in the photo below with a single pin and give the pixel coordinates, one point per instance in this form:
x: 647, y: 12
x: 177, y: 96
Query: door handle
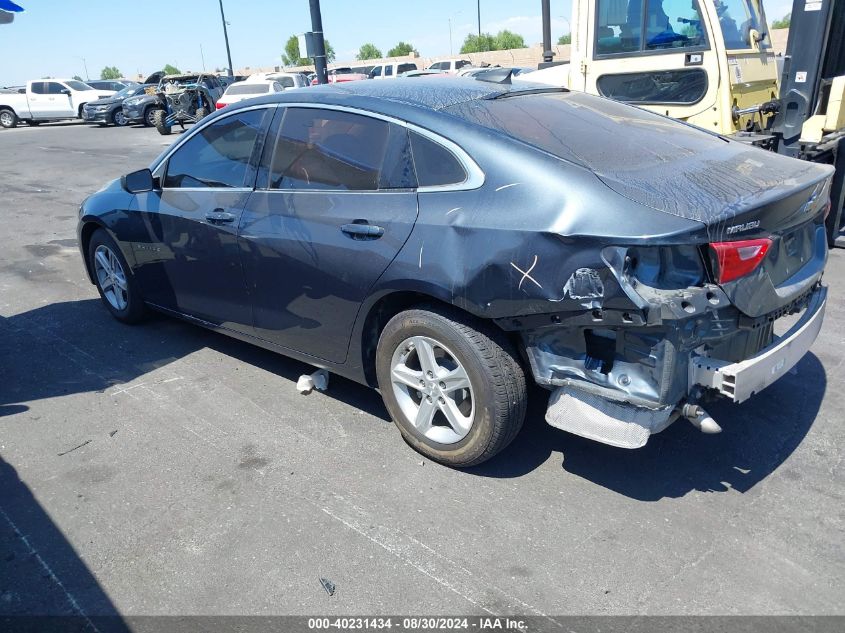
x: 219, y: 216
x: 362, y: 231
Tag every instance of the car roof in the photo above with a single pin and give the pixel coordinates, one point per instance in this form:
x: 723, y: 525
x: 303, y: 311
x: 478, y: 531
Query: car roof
x: 434, y: 94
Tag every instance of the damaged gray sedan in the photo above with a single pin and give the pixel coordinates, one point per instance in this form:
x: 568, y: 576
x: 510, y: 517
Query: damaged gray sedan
x: 448, y: 240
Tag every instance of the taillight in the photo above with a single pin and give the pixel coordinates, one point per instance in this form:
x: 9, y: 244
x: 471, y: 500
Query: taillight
x: 220, y: 105
x: 737, y: 259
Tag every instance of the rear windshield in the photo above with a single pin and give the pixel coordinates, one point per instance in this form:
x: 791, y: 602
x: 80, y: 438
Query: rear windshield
x: 249, y: 89
x: 584, y: 129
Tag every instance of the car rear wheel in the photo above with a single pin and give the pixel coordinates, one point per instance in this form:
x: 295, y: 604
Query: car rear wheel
x: 118, y: 118
x: 114, y: 281
x: 452, y: 385
x: 159, y: 117
x: 8, y: 118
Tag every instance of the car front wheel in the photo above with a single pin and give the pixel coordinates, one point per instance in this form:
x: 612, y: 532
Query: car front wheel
x: 113, y: 279
x: 118, y: 118
x: 452, y: 385
x: 159, y: 120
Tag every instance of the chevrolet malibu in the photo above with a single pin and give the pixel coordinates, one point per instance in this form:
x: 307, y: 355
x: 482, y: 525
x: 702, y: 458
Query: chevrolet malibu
x: 447, y: 241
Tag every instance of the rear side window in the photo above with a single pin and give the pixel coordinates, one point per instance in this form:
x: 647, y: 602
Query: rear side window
x: 39, y: 88
x: 221, y: 155
x: 388, y: 71
x: 435, y: 165
x: 338, y: 151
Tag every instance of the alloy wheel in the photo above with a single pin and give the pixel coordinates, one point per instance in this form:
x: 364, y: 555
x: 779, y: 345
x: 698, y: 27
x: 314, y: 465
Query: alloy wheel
x: 111, y: 278
x: 433, y: 389
x: 6, y: 119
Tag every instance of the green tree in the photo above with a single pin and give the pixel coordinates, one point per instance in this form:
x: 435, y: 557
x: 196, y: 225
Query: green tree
x: 368, y: 51
x: 401, y: 49
x: 783, y: 23
x: 478, y: 43
x: 170, y: 70
x: 506, y: 40
x: 292, y: 56
x: 110, y: 72
x: 78, y: 78
x: 565, y: 39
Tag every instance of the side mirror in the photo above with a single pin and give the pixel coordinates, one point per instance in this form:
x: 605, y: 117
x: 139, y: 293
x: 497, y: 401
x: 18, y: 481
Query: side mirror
x: 138, y: 181
x: 66, y: 91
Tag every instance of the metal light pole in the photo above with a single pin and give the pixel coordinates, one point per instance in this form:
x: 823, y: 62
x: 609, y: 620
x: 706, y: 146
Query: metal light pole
x: 548, y: 53
x: 86, y: 67
x: 450, y: 30
x: 320, y: 65
x: 226, y: 36
x: 479, y: 19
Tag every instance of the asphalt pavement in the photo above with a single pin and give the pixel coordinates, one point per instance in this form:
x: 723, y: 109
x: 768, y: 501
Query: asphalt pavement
x: 165, y: 469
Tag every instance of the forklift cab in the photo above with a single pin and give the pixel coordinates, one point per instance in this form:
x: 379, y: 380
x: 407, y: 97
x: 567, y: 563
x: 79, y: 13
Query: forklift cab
x: 695, y: 60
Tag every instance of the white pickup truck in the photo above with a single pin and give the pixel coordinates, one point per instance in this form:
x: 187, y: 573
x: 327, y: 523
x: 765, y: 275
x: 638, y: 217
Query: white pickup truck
x: 47, y: 100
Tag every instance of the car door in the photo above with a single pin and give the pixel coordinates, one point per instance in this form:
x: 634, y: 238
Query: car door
x: 49, y: 101
x: 189, y: 260
x: 335, y: 202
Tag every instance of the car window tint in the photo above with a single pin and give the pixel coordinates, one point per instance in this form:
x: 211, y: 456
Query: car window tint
x: 219, y: 155
x: 435, y: 165
x: 39, y: 88
x: 388, y: 71
x: 332, y: 150
x: 286, y: 82
x: 54, y: 88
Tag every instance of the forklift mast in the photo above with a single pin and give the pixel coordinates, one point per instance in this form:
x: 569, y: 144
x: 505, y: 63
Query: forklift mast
x: 812, y: 86
x: 815, y: 54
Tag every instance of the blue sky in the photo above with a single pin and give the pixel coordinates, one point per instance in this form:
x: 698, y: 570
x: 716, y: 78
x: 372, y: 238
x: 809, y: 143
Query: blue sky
x: 54, y: 36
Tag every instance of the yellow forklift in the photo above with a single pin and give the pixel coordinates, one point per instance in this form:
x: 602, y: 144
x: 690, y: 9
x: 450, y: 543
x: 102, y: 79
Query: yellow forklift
x: 711, y: 63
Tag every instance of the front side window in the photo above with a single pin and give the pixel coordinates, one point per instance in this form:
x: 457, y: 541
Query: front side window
x: 736, y: 19
x: 627, y: 26
x: 220, y: 155
x: 338, y: 151
x: 388, y: 71
x: 55, y: 88
x: 665, y: 86
x: 376, y: 72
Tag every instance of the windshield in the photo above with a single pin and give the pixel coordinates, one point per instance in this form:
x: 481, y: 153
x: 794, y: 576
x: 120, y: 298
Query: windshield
x: 77, y: 85
x: 736, y: 19
x: 127, y: 92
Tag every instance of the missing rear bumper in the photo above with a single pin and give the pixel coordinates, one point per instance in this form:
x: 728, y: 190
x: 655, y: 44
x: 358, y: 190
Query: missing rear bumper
x: 741, y: 380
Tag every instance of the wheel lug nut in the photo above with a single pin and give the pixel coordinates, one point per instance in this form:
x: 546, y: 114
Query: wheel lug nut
x: 441, y: 400
x: 428, y: 398
x: 442, y: 385
x: 430, y: 374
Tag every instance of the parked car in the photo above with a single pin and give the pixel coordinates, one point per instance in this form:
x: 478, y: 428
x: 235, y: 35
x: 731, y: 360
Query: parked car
x: 142, y: 107
x: 391, y: 70
x: 449, y: 65
x: 634, y: 286
x: 286, y: 80
x: 115, y: 85
x: 109, y: 110
x: 340, y: 75
x: 425, y: 73
x: 185, y: 99
x: 47, y: 100
x: 247, y: 90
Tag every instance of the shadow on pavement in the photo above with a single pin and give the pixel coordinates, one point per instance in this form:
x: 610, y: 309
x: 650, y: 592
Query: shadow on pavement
x: 77, y: 347
x: 42, y: 575
x: 758, y: 436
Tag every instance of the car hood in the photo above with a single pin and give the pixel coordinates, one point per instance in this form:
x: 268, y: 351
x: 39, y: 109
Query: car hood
x: 106, y: 101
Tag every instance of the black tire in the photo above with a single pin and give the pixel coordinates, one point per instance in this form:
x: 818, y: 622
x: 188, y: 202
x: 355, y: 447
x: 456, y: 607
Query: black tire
x: 159, y: 117
x: 495, y: 375
x: 33, y: 123
x: 149, y: 116
x: 8, y: 118
x: 201, y: 114
x: 118, y: 118
x: 135, y: 309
